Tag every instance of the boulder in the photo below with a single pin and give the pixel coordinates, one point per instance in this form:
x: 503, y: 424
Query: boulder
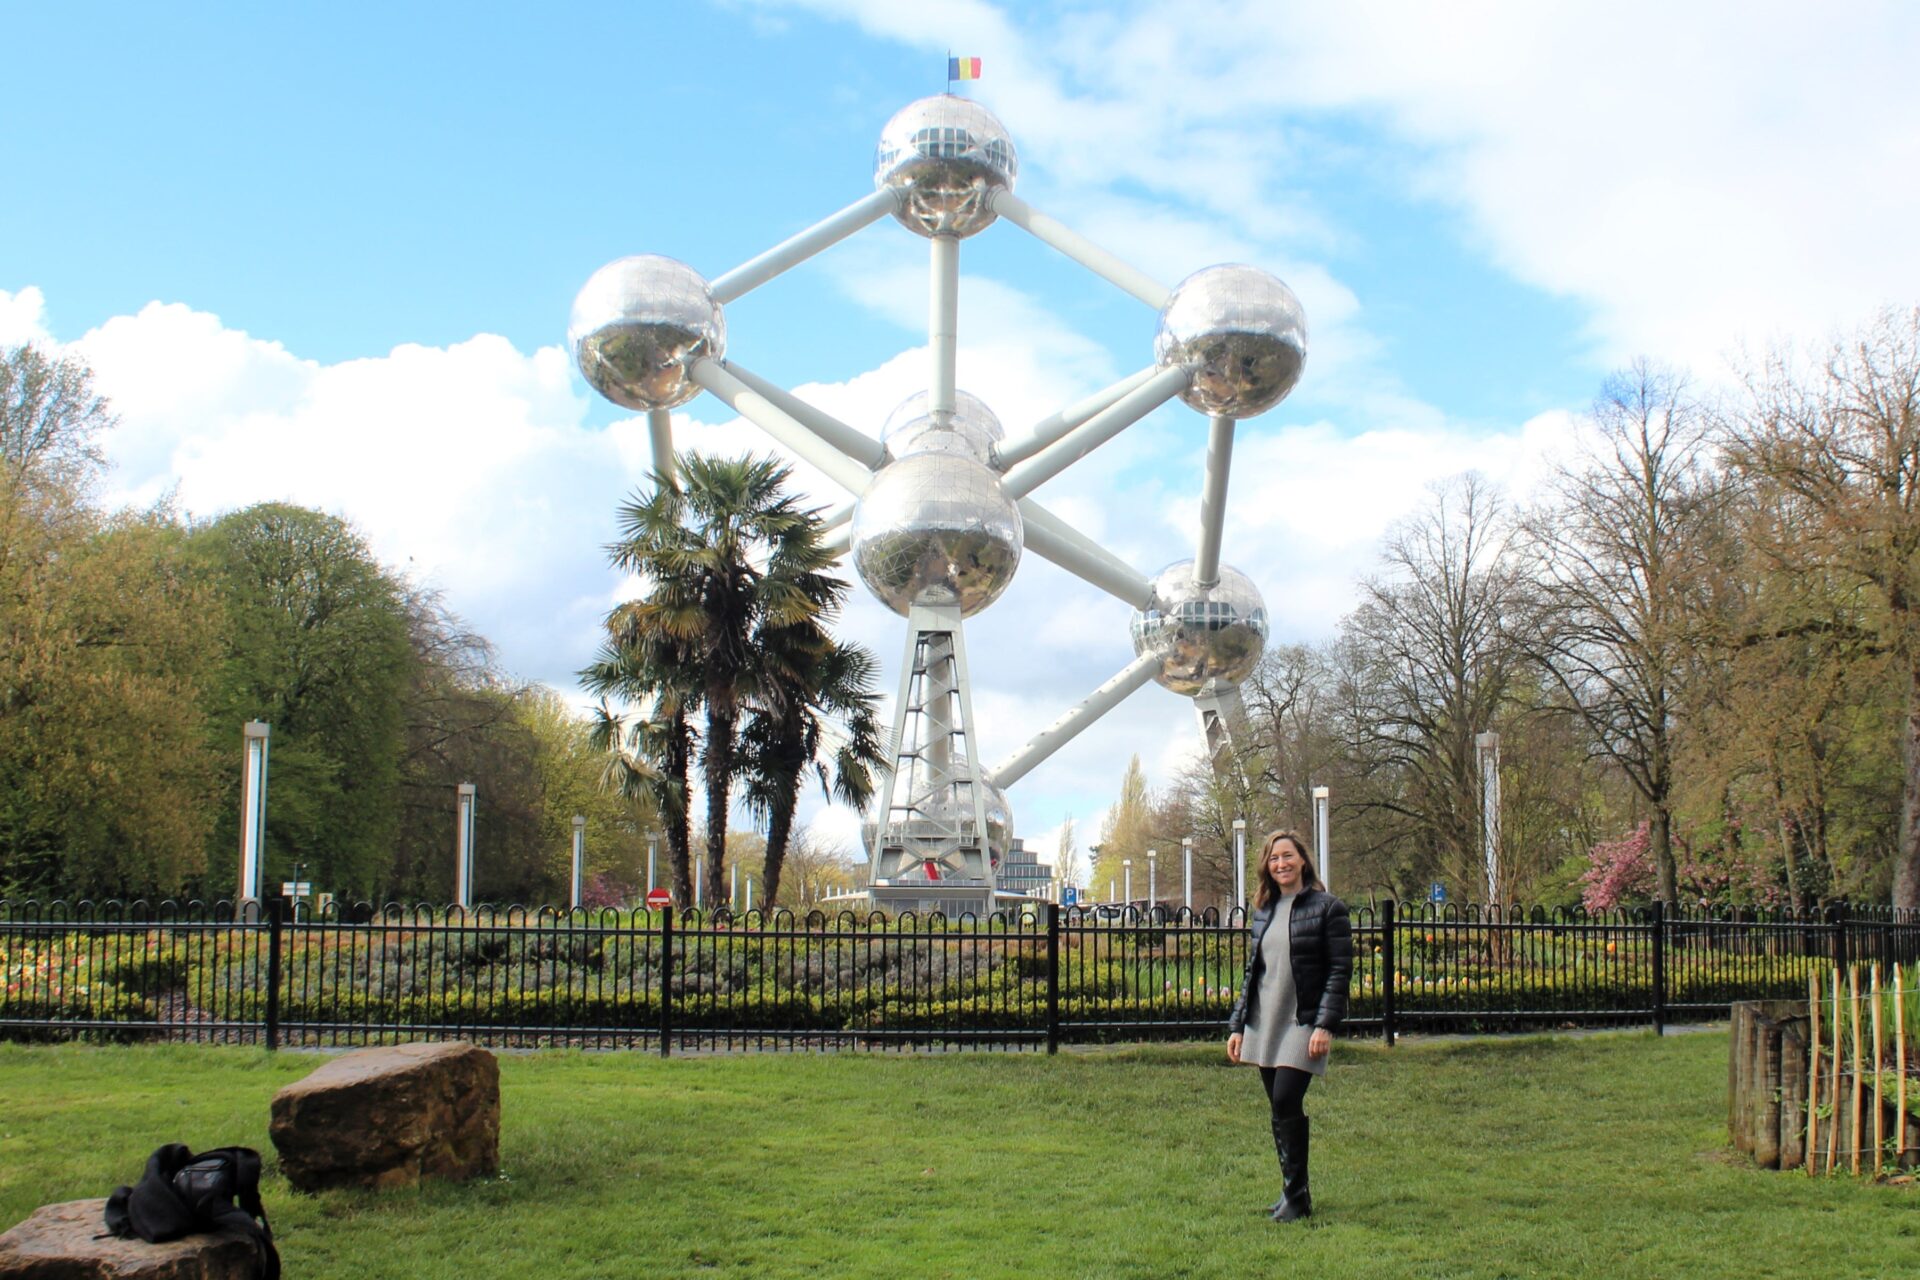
x: 57, y: 1243
x: 391, y: 1116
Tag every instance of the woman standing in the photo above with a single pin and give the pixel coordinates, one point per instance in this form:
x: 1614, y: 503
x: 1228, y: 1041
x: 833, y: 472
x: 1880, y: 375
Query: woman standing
x: 1292, y: 998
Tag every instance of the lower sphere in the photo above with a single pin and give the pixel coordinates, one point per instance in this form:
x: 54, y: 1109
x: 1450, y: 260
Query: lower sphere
x: 1201, y: 635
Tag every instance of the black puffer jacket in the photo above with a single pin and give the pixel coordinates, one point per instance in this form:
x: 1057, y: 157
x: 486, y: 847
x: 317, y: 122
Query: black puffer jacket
x: 1320, y: 938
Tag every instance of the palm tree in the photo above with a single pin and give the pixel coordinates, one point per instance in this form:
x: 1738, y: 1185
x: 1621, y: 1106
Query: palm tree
x: 649, y: 755
x: 728, y: 557
x: 820, y: 712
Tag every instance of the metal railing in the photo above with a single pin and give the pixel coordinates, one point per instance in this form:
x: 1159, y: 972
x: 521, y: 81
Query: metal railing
x: 671, y: 981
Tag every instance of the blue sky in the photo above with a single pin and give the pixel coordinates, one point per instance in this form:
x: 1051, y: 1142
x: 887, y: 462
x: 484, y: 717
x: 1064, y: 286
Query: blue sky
x: 326, y: 253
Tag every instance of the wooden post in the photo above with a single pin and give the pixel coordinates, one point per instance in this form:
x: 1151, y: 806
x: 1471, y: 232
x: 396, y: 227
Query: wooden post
x: 1900, y: 1066
x: 1789, y: 1129
x: 1833, y: 1083
x: 1813, y: 1069
x: 1859, y: 1085
x: 1879, y: 1099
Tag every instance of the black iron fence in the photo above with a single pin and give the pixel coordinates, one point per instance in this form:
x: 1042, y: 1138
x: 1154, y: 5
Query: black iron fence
x: 673, y: 981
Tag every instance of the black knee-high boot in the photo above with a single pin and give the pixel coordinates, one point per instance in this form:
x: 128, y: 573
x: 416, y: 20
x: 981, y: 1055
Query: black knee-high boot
x: 1290, y: 1143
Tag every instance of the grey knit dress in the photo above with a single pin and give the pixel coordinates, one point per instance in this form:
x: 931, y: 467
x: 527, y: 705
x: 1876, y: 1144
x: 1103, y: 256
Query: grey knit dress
x: 1273, y: 1036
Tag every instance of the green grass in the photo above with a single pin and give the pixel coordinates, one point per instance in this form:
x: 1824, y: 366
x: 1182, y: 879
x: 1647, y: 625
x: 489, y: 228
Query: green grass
x: 1597, y: 1156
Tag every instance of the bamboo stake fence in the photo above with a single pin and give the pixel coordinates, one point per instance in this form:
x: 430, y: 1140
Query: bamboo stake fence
x: 1856, y: 1038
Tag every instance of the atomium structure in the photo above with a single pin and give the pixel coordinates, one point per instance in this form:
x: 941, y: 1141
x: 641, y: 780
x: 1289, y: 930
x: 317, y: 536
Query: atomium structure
x: 942, y: 502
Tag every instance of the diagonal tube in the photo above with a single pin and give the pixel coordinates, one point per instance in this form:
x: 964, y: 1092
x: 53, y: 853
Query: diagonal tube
x: 1099, y: 429
x: 1213, y: 501
x: 852, y: 441
x: 1067, y: 727
x: 1052, y: 538
x: 848, y: 473
x: 1058, y: 235
x: 1047, y: 430
x: 793, y: 251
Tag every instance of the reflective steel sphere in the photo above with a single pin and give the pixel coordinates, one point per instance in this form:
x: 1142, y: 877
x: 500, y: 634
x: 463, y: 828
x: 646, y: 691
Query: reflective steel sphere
x: 957, y: 808
x: 937, y: 528
x: 1241, y: 333
x: 971, y: 428
x: 946, y: 156
x: 639, y: 325
x: 1201, y: 634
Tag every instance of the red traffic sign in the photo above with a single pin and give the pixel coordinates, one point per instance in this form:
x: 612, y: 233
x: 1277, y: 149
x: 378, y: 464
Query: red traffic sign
x: 658, y: 898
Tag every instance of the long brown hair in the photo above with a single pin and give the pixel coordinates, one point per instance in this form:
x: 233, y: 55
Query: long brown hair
x: 1267, y: 892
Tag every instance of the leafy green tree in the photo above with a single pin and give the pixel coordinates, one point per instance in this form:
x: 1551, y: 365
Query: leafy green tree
x: 106, y: 644
x: 318, y: 647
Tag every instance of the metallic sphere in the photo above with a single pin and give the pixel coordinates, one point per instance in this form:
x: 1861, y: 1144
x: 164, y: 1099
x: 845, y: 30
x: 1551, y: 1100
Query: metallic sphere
x: 639, y: 325
x: 971, y: 429
x: 1241, y: 333
x: 937, y: 529
x: 946, y: 156
x: 1201, y: 634
x: 957, y: 808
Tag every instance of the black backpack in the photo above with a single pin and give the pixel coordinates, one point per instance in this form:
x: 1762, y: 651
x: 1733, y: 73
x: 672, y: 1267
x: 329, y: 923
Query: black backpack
x: 181, y: 1193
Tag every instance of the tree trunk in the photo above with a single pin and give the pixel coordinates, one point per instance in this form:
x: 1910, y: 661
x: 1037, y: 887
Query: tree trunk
x: 1660, y: 835
x: 1906, y: 862
x: 675, y: 816
x: 779, y: 832
x: 718, y: 761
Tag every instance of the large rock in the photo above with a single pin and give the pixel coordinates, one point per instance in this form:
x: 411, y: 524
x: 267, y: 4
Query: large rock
x: 390, y: 1117
x: 57, y: 1243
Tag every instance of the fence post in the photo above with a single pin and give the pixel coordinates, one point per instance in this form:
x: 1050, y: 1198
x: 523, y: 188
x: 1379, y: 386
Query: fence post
x: 1386, y: 970
x: 1053, y: 977
x: 1837, y: 913
x: 666, y: 980
x: 276, y: 909
x: 1659, y: 967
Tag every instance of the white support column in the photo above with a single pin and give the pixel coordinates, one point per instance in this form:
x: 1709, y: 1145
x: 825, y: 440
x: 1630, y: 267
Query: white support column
x: 1239, y: 862
x: 1047, y: 430
x: 464, y: 798
x: 852, y: 441
x: 1213, y: 501
x: 1052, y: 538
x: 1186, y: 860
x: 749, y: 903
x: 254, y: 736
x: 660, y: 435
x: 849, y: 473
x: 698, y: 863
x: 1050, y: 231
x: 793, y: 251
x: 579, y: 860
x: 1067, y: 727
x: 1487, y: 747
x: 1099, y: 429
x: 733, y: 890
x: 1153, y: 882
x: 653, y: 849
x: 1126, y: 872
x: 943, y: 322
x: 1322, y: 835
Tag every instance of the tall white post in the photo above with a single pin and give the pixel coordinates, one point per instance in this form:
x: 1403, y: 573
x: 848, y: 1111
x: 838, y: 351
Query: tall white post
x: 1321, y: 835
x: 749, y: 905
x: 1153, y: 890
x: 1239, y: 862
x: 733, y: 889
x: 1186, y: 857
x: 1126, y: 872
x: 254, y: 735
x: 579, y: 857
x: 696, y: 881
x: 653, y: 848
x: 463, y: 806
x: 1487, y: 747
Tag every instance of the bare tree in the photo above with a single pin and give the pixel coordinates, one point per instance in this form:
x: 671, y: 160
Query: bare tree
x: 1625, y: 554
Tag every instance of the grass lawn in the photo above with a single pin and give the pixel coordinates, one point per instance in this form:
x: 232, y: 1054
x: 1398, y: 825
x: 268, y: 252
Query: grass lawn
x: 1598, y: 1156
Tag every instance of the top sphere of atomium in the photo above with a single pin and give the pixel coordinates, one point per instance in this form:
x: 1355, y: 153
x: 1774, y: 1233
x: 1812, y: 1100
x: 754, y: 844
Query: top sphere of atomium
x: 937, y: 528
x: 638, y: 326
x: 1241, y: 334
x: 1201, y: 634
x: 945, y: 157
x: 971, y: 429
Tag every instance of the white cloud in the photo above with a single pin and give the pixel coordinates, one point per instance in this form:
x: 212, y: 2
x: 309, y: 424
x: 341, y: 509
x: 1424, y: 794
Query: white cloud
x: 22, y: 317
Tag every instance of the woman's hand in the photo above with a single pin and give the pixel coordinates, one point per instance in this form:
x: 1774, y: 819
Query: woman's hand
x: 1318, y: 1043
x: 1233, y: 1047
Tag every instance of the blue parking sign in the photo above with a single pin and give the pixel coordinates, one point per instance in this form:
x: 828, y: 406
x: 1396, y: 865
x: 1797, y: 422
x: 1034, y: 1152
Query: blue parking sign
x: 1438, y: 893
